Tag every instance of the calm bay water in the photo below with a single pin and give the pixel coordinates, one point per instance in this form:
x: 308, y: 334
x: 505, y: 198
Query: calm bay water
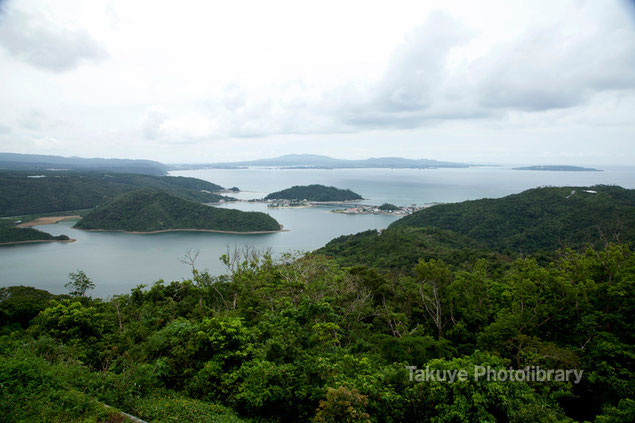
x: 117, y: 262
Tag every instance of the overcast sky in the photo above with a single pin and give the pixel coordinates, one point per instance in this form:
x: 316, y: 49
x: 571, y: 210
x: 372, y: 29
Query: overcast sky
x: 536, y: 82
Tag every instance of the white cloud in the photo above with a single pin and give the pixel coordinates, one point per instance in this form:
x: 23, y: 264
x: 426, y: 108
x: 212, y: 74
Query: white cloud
x: 152, y: 121
x: 44, y: 43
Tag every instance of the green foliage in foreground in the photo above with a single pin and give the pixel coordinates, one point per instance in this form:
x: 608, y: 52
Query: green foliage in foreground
x: 59, y: 389
x: 11, y: 233
x: 537, y: 219
x: 304, y: 339
x: 61, y: 191
x: 149, y: 210
x: 33, y: 392
x: 314, y: 193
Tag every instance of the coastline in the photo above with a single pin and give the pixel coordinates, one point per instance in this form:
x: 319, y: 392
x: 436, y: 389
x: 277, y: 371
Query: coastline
x: 33, y: 241
x: 187, y: 230
x: 40, y: 221
x: 49, y: 220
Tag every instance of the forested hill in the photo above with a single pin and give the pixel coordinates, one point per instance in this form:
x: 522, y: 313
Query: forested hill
x: 148, y: 210
x: 542, y: 219
x: 537, y: 219
x: 314, y: 193
x: 399, y: 249
x: 9, y: 233
x: 24, y: 193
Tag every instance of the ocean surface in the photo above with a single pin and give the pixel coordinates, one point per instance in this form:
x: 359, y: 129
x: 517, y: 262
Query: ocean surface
x: 117, y: 262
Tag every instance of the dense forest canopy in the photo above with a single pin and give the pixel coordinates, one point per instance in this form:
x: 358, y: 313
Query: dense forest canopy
x: 401, y: 248
x: 314, y: 192
x: 146, y: 210
x: 304, y: 339
x: 24, y: 193
x: 537, y: 219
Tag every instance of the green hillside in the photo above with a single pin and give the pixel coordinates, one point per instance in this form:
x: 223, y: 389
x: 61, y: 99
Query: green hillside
x: 401, y: 248
x: 314, y: 193
x: 148, y: 210
x: 11, y: 233
x: 537, y: 219
x: 24, y: 193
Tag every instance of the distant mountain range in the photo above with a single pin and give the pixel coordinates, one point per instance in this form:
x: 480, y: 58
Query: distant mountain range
x: 313, y: 161
x: 38, y: 162
x: 14, y: 161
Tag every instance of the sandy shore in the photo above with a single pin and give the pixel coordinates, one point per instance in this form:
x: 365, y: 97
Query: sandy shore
x: 49, y: 220
x: 189, y: 230
x: 37, y: 241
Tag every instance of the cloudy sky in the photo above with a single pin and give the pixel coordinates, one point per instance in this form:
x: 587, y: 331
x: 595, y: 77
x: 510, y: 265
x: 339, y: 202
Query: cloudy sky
x: 536, y: 82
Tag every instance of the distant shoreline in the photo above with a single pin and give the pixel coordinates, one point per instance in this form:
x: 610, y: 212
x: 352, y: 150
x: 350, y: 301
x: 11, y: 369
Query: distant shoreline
x: 33, y: 241
x: 188, y: 230
x: 558, y: 168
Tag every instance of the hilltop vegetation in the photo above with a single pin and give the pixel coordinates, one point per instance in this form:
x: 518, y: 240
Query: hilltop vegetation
x: 303, y: 339
x: 10, y: 233
x: 148, y: 210
x: 399, y: 249
x: 22, y: 194
x: 537, y: 219
x: 542, y: 219
x: 314, y: 193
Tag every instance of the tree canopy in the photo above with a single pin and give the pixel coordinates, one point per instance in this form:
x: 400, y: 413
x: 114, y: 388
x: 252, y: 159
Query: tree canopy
x: 314, y: 192
x: 150, y: 210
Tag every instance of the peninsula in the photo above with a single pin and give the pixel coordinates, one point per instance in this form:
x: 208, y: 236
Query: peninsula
x: 150, y: 211
x: 50, y: 192
x: 12, y: 234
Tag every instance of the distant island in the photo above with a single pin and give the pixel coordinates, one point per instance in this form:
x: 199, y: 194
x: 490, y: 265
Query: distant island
x: 315, y: 161
x: 314, y: 192
x: 15, y: 161
x: 559, y: 168
x: 148, y: 210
